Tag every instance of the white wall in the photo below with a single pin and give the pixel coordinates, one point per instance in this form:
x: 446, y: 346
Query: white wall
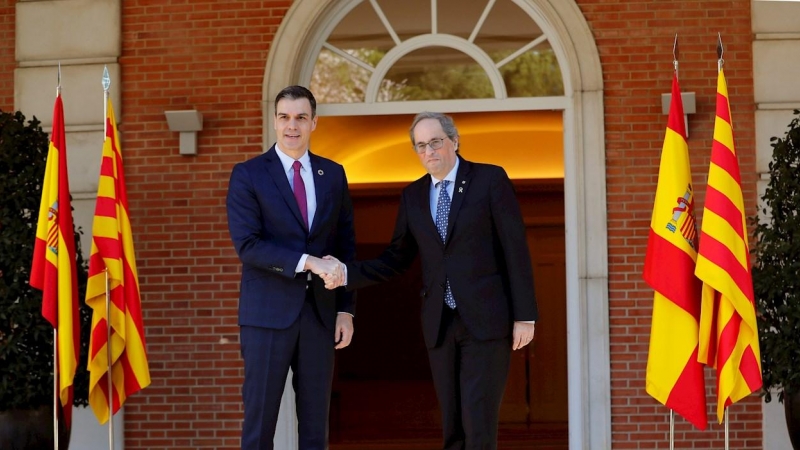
x: 88, y: 434
x: 776, y: 93
x: 776, y: 435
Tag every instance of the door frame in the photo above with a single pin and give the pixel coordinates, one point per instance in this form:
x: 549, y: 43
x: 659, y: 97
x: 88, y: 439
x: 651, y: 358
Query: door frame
x: 293, y: 50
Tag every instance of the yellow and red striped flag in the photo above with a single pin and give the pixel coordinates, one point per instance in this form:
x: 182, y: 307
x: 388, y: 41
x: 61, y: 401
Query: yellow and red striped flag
x: 728, y: 330
x: 54, y: 269
x: 112, y: 253
x: 674, y: 376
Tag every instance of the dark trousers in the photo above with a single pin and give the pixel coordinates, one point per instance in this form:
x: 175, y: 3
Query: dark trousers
x: 470, y: 377
x: 307, y: 347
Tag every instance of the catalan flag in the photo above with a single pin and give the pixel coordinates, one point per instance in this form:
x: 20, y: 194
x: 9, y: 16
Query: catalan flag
x: 674, y: 376
x: 112, y: 255
x: 728, y: 330
x: 54, y: 269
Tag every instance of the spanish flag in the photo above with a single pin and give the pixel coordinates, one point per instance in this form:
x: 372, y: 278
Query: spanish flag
x: 113, y: 256
x: 54, y: 270
x: 728, y: 330
x: 674, y: 376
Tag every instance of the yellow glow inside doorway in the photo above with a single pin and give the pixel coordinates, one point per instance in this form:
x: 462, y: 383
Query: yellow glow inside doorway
x: 377, y: 149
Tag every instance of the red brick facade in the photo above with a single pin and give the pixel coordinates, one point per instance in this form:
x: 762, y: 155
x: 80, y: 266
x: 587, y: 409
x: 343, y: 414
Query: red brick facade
x: 7, y: 57
x: 211, y: 56
x: 635, y: 44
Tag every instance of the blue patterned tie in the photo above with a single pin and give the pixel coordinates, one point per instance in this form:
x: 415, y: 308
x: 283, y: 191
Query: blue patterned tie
x: 442, y: 212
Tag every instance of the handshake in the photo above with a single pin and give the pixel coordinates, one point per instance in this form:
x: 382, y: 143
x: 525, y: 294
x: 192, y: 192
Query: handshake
x: 330, y: 269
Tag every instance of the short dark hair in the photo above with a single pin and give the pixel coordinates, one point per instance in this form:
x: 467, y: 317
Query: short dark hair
x: 448, y: 126
x: 295, y: 92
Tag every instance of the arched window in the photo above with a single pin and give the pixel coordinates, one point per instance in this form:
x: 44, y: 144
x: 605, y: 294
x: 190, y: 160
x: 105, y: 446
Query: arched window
x: 446, y: 50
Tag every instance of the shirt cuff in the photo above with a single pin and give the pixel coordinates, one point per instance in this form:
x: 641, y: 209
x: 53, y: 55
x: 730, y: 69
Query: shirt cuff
x: 345, y: 312
x: 301, y: 264
x: 526, y: 321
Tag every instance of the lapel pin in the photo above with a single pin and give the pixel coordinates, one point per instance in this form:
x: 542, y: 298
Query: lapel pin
x: 320, y: 172
x: 461, y: 190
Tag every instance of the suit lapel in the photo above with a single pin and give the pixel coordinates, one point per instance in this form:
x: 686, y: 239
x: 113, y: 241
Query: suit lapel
x: 459, y: 191
x: 424, y: 196
x: 275, y: 169
x: 322, y: 185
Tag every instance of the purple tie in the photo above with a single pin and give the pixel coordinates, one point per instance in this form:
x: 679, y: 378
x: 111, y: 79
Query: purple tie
x: 300, y: 191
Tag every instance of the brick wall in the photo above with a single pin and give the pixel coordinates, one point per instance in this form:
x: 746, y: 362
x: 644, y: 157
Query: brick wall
x: 7, y: 56
x: 209, y: 56
x: 635, y: 44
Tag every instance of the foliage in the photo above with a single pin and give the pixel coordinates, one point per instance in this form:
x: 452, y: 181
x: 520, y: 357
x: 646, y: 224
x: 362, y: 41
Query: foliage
x: 26, y: 338
x: 337, y: 80
x: 777, y: 264
x: 446, y: 82
x: 533, y: 74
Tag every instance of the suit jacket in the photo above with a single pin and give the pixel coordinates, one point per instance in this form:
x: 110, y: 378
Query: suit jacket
x: 485, y: 256
x: 269, y: 235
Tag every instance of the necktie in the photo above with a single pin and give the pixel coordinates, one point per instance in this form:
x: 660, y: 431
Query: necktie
x: 299, y: 189
x: 442, y: 213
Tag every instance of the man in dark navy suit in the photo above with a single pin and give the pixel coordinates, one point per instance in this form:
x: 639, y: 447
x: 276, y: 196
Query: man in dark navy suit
x: 463, y: 220
x: 284, y: 207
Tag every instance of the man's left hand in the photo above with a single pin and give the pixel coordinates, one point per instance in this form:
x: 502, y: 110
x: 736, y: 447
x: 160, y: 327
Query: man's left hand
x: 523, y: 334
x: 344, y: 330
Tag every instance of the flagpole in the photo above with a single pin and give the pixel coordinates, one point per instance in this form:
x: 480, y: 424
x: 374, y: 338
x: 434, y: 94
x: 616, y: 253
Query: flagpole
x: 727, y: 441
x: 108, y: 356
x: 110, y: 382
x: 672, y: 411
x: 55, y: 388
x: 720, y: 62
x: 671, y: 429
x: 56, y: 373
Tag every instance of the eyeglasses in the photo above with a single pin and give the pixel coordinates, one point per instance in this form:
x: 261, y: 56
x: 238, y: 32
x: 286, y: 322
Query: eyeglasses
x: 434, y: 144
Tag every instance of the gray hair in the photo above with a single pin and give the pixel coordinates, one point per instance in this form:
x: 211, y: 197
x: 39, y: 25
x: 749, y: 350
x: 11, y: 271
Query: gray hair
x: 445, y: 121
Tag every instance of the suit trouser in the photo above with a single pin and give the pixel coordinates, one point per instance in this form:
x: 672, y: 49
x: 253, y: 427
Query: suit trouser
x: 307, y: 347
x: 470, y: 377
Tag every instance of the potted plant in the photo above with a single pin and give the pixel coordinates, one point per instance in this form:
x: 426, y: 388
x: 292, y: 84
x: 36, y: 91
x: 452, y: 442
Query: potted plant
x: 26, y: 338
x: 776, y: 277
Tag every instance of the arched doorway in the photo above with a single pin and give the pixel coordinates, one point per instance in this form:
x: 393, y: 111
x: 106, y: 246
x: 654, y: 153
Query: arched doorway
x: 383, y: 392
x: 303, y: 37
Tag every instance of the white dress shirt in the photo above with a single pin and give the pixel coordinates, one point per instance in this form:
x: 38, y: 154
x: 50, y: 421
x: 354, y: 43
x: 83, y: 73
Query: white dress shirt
x: 308, y: 180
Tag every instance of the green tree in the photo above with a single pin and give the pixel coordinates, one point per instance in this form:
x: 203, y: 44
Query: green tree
x: 532, y: 74
x: 535, y: 73
x: 26, y: 338
x: 777, y: 264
